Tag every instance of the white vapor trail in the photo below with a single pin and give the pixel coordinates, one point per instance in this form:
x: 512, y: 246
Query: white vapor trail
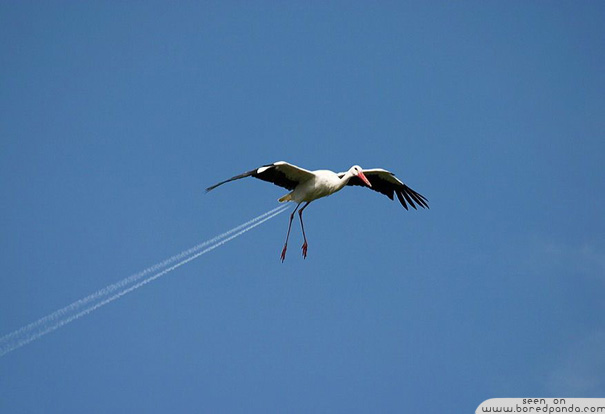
x: 108, y: 294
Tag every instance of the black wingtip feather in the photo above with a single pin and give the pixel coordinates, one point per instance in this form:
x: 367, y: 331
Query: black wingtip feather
x: 401, y: 199
x: 415, y: 197
x: 409, y: 199
x: 419, y: 198
x: 211, y: 188
x: 237, y: 177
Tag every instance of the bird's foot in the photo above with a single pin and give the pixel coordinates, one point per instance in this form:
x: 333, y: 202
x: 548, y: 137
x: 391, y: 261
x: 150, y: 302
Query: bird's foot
x: 304, y: 250
x: 283, y: 253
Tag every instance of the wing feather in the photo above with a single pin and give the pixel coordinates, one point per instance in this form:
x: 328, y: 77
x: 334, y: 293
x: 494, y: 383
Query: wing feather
x: 402, y: 200
x: 385, y: 182
x: 280, y: 173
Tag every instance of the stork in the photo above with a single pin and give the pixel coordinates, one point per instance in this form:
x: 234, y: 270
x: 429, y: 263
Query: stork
x: 307, y: 186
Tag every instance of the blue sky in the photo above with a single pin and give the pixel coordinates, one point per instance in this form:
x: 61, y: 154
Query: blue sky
x: 116, y: 116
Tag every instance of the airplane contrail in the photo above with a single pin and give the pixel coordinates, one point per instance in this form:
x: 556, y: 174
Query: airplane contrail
x: 90, y: 303
x: 51, y: 318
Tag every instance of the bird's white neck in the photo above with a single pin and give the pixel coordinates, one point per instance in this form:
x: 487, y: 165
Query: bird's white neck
x: 344, y: 180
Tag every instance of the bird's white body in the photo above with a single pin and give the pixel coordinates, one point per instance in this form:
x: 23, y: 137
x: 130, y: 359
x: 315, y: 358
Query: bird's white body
x: 323, y: 183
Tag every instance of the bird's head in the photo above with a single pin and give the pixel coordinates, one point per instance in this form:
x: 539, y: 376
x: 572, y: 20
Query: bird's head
x: 357, y: 171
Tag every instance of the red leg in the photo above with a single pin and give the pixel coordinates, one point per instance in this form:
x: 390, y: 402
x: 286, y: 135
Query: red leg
x: 283, y: 252
x: 302, y: 226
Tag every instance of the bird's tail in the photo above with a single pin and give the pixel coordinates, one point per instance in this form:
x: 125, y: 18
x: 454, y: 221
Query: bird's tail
x: 287, y: 197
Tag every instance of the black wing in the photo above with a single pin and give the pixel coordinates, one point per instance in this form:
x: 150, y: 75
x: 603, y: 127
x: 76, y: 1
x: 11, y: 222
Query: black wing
x: 386, y: 183
x: 279, y: 173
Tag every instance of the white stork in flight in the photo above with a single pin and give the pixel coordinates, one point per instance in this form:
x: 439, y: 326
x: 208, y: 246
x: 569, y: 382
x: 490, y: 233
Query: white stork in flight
x: 307, y: 186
